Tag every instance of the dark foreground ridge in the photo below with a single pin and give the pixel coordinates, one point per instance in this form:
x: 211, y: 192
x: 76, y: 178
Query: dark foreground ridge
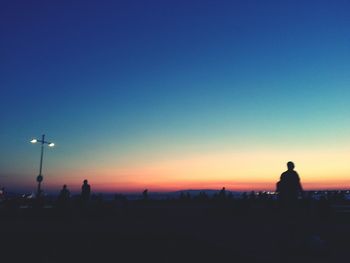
x: 251, y: 228
x: 295, y: 227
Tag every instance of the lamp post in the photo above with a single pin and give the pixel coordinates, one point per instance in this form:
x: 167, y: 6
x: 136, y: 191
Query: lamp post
x: 40, y: 177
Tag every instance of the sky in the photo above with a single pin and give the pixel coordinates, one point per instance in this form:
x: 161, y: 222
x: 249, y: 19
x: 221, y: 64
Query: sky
x: 171, y: 95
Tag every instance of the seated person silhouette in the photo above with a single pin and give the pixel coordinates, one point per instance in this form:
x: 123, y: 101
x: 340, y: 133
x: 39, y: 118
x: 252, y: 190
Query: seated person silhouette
x: 85, y: 190
x: 289, y: 186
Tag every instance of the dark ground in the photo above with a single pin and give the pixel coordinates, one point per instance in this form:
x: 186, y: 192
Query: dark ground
x: 174, y: 231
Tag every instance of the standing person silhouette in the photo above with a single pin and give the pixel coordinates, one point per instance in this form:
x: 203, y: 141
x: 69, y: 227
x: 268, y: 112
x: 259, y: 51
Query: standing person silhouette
x: 289, y: 186
x: 85, y: 191
x: 145, y: 194
x: 63, y: 198
x: 64, y: 194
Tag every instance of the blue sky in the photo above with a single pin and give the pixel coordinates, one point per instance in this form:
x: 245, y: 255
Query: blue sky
x: 142, y: 79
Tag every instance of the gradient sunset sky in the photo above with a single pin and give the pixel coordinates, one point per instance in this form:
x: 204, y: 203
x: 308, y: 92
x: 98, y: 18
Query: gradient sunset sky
x: 170, y: 95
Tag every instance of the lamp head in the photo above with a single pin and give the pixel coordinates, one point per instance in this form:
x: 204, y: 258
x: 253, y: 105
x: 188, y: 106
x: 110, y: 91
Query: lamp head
x: 34, y: 141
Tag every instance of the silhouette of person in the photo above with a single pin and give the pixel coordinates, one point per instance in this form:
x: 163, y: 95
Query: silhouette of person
x: 64, y: 194
x: 145, y: 194
x: 63, y: 198
x: 222, y: 193
x: 289, y: 186
x: 85, y: 190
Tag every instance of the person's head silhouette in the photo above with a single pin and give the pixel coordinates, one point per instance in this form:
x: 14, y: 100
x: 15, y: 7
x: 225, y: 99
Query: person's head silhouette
x: 85, y: 181
x: 290, y: 166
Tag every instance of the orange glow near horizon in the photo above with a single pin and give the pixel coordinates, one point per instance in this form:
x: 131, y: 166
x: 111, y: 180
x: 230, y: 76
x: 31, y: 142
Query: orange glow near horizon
x: 245, y: 171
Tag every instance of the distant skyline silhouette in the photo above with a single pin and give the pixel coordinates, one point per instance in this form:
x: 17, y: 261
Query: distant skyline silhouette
x: 175, y: 95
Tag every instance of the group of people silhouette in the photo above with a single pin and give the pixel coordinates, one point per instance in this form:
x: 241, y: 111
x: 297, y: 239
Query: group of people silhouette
x: 85, y: 192
x: 288, y: 188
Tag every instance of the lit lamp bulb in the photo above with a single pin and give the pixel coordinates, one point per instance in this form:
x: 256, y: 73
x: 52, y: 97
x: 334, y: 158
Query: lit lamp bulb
x: 34, y: 141
x: 51, y: 144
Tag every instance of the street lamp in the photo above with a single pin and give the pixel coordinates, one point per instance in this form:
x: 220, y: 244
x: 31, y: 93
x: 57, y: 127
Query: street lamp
x: 40, y: 177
